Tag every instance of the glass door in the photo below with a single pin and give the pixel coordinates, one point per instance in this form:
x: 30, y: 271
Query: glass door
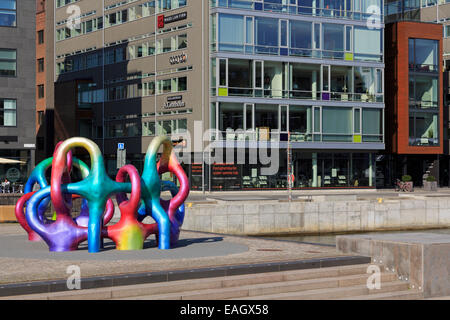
x: 258, y: 76
x: 249, y: 121
x: 283, y: 122
x: 223, y: 77
x: 325, y: 82
x: 283, y: 30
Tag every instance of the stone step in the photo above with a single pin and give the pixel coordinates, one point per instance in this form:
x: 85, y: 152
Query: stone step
x: 411, y: 294
x: 162, y: 288
x: 333, y: 293
x: 267, y: 288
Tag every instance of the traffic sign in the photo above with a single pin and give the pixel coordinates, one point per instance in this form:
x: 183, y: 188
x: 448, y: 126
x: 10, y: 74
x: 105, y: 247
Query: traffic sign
x: 121, y: 146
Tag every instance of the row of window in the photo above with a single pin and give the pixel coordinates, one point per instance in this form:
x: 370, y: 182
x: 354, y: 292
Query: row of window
x: 401, y: 6
x: 272, y: 79
x: 136, y: 90
x: 345, y: 9
x: 145, y: 129
x: 260, y: 35
x: 116, y: 55
x: 237, y: 121
x: 131, y: 14
x: 161, y: 4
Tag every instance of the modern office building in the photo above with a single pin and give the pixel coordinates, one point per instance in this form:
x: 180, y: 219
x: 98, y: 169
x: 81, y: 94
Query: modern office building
x: 427, y: 90
x: 17, y: 89
x: 414, y: 101
x: 296, y: 85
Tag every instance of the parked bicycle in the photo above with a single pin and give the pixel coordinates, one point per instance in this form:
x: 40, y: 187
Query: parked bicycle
x: 402, y: 186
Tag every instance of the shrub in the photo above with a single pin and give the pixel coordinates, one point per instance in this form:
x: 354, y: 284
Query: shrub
x: 406, y: 178
x: 430, y: 179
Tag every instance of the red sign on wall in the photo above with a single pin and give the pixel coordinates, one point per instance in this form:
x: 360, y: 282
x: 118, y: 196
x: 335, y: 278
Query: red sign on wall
x: 160, y: 21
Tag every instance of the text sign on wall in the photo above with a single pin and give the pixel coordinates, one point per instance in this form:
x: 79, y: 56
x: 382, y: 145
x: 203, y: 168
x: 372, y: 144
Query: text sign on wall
x: 162, y: 20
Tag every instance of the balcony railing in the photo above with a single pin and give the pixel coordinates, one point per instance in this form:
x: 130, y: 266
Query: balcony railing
x: 423, y: 67
x: 294, y: 52
x: 298, y: 94
x: 265, y: 134
x: 337, y: 13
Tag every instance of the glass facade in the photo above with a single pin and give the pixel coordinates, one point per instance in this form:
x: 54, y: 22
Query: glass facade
x: 311, y: 85
x: 284, y: 37
x: 423, y: 92
x: 341, y: 9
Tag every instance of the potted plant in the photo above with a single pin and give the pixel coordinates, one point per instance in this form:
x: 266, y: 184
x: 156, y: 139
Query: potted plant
x: 430, y: 183
x: 407, y: 179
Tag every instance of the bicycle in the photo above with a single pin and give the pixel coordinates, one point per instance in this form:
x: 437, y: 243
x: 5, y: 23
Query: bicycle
x: 402, y: 186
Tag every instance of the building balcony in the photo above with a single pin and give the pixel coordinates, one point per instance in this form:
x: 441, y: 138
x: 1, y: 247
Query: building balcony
x: 295, y: 52
x: 269, y: 93
x: 265, y: 134
x: 337, y: 13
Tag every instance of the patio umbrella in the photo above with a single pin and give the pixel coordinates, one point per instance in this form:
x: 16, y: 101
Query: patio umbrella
x: 5, y: 161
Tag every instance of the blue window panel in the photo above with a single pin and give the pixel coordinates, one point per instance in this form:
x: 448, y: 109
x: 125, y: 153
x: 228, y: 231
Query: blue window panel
x: 266, y: 32
x: 283, y: 51
x: 258, y: 6
x: 231, y: 32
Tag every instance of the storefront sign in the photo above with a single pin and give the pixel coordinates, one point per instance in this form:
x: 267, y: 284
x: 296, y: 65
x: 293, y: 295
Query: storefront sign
x: 162, y: 20
x: 181, y: 58
x: 174, y: 102
x: 196, y: 176
x: 225, y: 176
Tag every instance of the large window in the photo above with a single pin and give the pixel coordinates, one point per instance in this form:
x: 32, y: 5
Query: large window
x: 333, y: 40
x: 231, y: 32
x: 266, y: 33
x: 337, y: 124
x: 8, y: 65
x: 7, y: 13
x: 423, y: 91
x: 423, y: 129
x: 367, y: 44
x: 231, y: 117
x: 423, y: 55
x: 372, y: 125
x: 7, y: 112
x: 301, y: 36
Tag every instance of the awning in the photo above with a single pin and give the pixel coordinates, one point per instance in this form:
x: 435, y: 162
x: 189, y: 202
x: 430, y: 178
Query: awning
x: 5, y: 160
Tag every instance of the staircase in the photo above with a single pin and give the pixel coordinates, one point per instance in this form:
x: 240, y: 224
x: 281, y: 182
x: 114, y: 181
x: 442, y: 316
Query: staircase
x: 344, y: 282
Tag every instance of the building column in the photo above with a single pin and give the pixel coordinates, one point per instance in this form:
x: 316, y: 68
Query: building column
x: 370, y: 170
x: 314, y: 169
x: 314, y: 85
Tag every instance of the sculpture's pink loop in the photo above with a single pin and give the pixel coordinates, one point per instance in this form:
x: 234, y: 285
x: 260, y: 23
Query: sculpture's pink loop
x: 109, y: 212
x: 20, y: 215
x: 174, y: 166
x: 133, y: 203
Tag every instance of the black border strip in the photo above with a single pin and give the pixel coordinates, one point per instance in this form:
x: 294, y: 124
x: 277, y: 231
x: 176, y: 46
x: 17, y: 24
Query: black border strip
x: 9, y: 290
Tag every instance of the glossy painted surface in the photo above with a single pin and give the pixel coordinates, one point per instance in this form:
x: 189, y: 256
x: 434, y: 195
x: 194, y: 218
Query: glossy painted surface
x: 97, y: 209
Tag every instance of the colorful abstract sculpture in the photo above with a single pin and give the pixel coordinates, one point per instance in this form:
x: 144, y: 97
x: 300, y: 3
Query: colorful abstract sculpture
x: 97, y: 209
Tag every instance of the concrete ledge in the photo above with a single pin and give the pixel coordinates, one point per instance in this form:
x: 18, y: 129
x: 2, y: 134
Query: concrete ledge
x: 423, y: 259
x: 311, y: 217
x: 7, y: 214
x: 164, y: 276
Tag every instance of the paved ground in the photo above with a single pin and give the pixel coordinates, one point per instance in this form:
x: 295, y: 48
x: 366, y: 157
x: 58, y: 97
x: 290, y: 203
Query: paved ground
x: 22, y: 261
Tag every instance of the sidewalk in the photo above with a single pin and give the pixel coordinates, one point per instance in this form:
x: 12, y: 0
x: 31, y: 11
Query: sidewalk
x: 23, y: 261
